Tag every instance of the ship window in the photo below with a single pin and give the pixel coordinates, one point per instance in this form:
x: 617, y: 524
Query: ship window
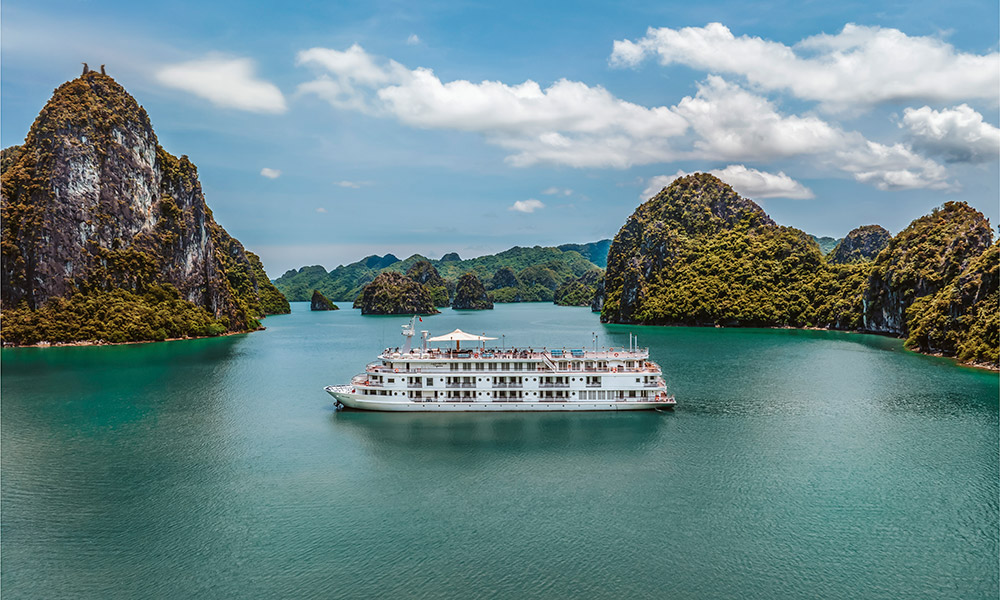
x: 430, y: 381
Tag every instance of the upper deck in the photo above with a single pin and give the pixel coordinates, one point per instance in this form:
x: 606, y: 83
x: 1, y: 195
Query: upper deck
x: 430, y: 360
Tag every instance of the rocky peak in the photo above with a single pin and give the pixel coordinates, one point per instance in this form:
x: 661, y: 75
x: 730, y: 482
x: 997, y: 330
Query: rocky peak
x: 470, y: 294
x: 861, y: 244
x: 91, y: 201
x: 423, y: 272
x: 393, y: 293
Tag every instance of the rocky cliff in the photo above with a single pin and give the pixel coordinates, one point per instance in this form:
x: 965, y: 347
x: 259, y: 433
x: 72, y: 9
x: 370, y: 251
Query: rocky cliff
x: 470, y: 294
x: 698, y: 253
x: 91, y: 203
x: 861, y: 244
x: 922, y: 260
x: 424, y: 273
x: 321, y: 302
x: 394, y: 294
x: 580, y: 292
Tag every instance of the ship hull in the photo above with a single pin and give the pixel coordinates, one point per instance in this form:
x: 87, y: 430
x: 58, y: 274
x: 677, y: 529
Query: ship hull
x: 350, y: 400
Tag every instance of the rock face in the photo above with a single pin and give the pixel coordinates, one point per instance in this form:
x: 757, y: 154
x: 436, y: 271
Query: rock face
x: 923, y: 259
x: 320, y: 302
x: 394, y: 294
x: 597, y: 303
x: 698, y: 253
x: 505, y: 277
x: 861, y: 244
x: 91, y: 201
x: 580, y: 292
x: 963, y: 318
x: 424, y: 273
x: 470, y: 294
x: 451, y: 257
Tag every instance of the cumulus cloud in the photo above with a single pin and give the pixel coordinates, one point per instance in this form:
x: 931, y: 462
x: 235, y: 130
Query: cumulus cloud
x: 858, y: 66
x: 751, y: 183
x: 571, y: 123
x: 958, y: 134
x: 321, y: 210
x: 527, y: 206
x: 567, y: 122
x: 413, y: 40
x: 270, y: 173
x: 555, y: 191
x: 354, y: 185
x: 225, y: 82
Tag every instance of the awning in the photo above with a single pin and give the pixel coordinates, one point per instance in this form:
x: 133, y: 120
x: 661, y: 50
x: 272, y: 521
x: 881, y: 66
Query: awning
x: 458, y: 336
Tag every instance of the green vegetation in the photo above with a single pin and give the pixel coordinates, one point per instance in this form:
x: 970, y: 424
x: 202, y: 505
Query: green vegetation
x: 74, y: 260
x: 595, y: 252
x: 861, y: 245
x: 392, y: 293
x: 579, y: 292
x: 826, y: 244
x: 699, y: 254
x: 113, y: 316
x: 471, y: 295
x: 541, y: 270
x: 424, y: 273
x: 320, y: 302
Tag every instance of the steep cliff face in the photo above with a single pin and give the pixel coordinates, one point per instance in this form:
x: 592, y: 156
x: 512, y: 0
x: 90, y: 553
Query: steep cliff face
x: 963, y: 318
x: 90, y: 201
x: 923, y: 259
x: 861, y: 244
x: 698, y: 253
x: 424, y: 273
x: 394, y: 294
x: 580, y: 292
x: 470, y: 294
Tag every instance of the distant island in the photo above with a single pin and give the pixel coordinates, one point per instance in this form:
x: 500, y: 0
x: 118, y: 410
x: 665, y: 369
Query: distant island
x: 515, y: 275
x: 106, y: 237
x: 699, y: 254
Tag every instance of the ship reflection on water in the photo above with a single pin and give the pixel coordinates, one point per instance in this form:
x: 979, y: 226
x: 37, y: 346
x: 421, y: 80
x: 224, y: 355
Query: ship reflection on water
x: 583, y: 431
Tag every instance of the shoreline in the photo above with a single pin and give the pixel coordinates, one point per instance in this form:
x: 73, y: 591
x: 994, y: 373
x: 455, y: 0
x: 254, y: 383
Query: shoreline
x: 105, y: 343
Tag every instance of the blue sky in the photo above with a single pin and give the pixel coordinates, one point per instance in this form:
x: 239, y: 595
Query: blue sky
x: 324, y: 132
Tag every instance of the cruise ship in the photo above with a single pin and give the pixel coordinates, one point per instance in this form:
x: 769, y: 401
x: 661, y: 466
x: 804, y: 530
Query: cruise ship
x: 485, y: 379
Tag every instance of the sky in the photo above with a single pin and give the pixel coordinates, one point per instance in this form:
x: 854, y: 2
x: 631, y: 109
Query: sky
x: 325, y: 131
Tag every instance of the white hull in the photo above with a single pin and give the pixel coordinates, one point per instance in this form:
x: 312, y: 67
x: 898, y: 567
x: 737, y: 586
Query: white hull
x: 343, y: 394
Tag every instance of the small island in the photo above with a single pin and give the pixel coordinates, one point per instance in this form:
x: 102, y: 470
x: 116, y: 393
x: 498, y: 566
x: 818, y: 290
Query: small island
x: 393, y: 293
x: 470, y: 294
x: 321, y: 302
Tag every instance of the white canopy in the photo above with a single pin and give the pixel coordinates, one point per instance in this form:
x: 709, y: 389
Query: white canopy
x: 459, y: 336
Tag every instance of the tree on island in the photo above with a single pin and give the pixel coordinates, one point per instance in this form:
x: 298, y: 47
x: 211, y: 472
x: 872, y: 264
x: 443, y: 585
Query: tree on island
x: 471, y: 294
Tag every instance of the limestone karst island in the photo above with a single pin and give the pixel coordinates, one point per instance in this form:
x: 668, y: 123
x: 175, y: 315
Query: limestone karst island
x: 518, y: 301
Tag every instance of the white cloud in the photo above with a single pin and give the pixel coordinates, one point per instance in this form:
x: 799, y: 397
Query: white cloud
x: 352, y: 184
x: 571, y: 123
x: 413, y: 40
x: 270, y: 173
x: 959, y: 134
x: 858, y: 66
x: 750, y: 183
x: 555, y: 191
x: 321, y: 210
x: 733, y: 124
x: 527, y: 206
x: 225, y: 82
x: 566, y: 123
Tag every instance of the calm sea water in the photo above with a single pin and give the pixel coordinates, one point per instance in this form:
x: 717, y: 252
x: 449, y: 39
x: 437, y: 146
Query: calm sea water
x: 798, y: 464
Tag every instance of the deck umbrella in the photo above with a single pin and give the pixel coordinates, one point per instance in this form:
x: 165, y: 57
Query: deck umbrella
x: 458, y: 336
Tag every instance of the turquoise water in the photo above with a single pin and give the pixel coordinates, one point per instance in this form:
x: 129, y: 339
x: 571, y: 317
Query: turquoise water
x: 798, y: 464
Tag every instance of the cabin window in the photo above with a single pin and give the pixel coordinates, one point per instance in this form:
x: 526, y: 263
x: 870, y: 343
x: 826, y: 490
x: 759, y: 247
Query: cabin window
x: 430, y: 381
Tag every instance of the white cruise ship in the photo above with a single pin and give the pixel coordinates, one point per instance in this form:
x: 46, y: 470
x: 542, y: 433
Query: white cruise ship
x: 496, y: 380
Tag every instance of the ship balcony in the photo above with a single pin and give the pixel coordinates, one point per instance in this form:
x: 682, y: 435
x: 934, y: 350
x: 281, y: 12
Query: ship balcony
x: 460, y: 385
x: 508, y: 385
x: 594, y: 385
x: 553, y: 385
x: 414, y: 385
